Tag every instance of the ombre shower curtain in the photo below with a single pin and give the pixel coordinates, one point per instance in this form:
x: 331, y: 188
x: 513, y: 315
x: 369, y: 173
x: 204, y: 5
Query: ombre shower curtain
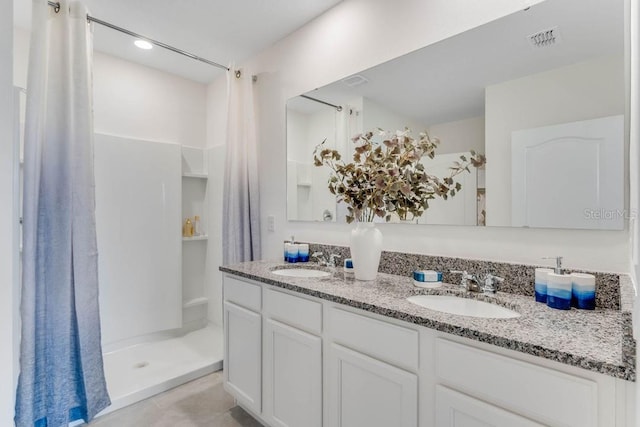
x: 61, y: 368
x: 241, y: 201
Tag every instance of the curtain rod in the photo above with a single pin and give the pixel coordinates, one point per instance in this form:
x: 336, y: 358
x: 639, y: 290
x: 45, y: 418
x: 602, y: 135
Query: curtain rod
x: 56, y: 7
x: 337, y: 107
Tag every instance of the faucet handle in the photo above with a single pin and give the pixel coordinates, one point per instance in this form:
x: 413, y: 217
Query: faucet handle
x: 490, y: 283
x: 319, y: 256
x: 464, y: 276
x: 332, y: 260
x: 463, y: 273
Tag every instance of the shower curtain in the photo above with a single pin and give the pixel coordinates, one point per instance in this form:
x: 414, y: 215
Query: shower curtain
x: 61, y: 369
x: 241, y: 206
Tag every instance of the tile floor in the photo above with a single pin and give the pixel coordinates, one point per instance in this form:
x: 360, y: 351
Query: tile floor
x: 199, y: 403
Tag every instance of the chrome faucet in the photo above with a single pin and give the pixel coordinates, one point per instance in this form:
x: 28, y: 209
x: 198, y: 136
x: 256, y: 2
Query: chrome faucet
x: 468, y: 282
x: 475, y: 283
x: 322, y: 260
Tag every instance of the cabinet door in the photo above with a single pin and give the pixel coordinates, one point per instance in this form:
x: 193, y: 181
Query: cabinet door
x: 242, y: 355
x: 365, y: 392
x: 455, y: 409
x: 293, y: 376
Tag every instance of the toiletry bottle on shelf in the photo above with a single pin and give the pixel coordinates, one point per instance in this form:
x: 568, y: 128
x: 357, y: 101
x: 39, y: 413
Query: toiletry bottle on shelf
x: 559, y: 287
x: 197, y: 228
x: 188, y: 228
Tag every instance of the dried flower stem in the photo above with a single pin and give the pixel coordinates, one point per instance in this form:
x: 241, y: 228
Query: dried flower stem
x: 389, y: 178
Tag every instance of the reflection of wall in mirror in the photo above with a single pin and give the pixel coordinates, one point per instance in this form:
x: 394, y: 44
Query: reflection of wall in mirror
x: 307, y: 195
x: 460, y: 135
x: 482, y: 208
x: 460, y: 209
x: 580, y: 91
x: 304, y: 132
x: 378, y: 116
x: 456, y: 138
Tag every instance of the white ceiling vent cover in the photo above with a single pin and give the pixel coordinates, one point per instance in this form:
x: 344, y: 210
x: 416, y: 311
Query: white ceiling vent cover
x: 545, y: 38
x: 356, y: 80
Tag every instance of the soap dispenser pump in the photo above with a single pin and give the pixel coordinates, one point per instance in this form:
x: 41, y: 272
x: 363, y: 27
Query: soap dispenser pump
x: 558, y: 269
x: 559, y: 287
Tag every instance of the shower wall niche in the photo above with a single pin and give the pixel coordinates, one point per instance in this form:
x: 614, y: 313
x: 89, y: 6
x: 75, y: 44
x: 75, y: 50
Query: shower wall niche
x: 195, y: 201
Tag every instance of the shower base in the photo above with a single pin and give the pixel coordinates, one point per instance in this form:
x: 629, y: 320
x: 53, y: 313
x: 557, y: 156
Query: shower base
x: 138, y: 372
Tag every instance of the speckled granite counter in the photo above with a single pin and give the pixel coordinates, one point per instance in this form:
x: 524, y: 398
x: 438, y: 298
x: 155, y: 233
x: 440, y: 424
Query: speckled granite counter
x: 599, y: 340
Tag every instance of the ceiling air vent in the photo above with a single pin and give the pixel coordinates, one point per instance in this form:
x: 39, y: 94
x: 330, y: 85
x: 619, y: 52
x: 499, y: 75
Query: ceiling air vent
x: 545, y: 38
x: 355, y: 80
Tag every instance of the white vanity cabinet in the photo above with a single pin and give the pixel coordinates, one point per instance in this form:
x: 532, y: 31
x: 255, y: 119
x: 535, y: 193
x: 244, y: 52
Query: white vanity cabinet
x: 365, y: 392
x: 298, y: 361
x: 546, y: 395
x: 273, y: 353
x: 371, y: 372
x: 454, y: 409
x: 468, y: 383
x: 243, y: 342
x: 292, y: 360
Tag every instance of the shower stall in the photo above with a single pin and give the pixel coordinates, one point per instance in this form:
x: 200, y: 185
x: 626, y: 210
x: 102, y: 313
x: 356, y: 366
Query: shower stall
x: 155, y: 294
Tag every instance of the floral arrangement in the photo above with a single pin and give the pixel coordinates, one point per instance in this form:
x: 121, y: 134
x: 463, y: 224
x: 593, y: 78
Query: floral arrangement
x: 389, y: 178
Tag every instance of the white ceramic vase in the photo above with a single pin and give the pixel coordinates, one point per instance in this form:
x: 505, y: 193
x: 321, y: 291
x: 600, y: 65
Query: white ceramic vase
x: 366, y: 246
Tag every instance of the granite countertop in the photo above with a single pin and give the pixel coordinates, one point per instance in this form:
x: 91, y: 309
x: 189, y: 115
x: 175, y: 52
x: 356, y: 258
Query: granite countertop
x: 599, y: 340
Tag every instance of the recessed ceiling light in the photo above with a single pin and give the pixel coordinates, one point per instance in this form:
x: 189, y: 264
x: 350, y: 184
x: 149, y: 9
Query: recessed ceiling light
x: 143, y: 44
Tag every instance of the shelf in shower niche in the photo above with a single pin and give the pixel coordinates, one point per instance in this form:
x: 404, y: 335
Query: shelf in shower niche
x: 195, y: 302
x: 195, y: 175
x: 194, y: 238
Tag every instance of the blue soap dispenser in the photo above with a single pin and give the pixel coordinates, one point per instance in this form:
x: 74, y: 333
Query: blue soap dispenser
x: 559, y: 287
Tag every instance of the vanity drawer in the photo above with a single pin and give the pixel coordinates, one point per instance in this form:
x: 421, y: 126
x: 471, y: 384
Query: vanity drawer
x: 540, y: 393
x: 242, y: 293
x: 385, y: 341
x: 295, y: 311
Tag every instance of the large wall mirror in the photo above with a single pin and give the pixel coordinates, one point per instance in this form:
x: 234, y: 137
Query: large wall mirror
x: 540, y: 92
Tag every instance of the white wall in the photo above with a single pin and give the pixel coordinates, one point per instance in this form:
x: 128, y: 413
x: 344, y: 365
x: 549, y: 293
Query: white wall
x: 321, y: 125
x: 378, y: 116
x: 460, y: 136
x: 305, y: 131
x: 138, y: 217
x: 6, y: 217
x: 582, y: 91
x: 216, y: 116
x: 135, y: 101
x: 213, y: 284
x: 297, y: 129
x: 297, y: 152
x: 355, y: 35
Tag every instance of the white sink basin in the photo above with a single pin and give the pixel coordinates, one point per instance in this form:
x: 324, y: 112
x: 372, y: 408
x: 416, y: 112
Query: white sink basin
x: 301, y: 272
x: 463, y: 306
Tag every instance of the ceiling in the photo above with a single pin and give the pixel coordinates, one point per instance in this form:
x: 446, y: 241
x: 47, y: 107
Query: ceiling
x: 446, y: 81
x: 221, y: 31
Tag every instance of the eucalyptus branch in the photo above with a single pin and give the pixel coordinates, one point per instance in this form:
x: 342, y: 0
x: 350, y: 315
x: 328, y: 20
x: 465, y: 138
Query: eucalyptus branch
x: 390, y: 178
